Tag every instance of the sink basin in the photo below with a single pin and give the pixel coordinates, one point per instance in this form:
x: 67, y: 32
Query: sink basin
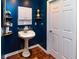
x: 26, y: 35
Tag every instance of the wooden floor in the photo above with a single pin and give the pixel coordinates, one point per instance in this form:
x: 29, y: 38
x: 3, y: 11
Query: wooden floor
x: 36, y: 53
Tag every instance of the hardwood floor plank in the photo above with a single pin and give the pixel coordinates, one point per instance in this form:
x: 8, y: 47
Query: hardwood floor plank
x: 36, y: 53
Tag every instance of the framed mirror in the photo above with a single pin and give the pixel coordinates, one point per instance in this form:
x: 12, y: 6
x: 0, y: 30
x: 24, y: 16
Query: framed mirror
x: 24, y: 15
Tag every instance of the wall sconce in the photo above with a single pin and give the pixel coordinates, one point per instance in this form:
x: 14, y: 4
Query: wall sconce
x: 38, y: 16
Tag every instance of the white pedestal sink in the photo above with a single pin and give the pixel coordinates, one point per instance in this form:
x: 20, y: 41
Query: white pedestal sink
x: 26, y: 35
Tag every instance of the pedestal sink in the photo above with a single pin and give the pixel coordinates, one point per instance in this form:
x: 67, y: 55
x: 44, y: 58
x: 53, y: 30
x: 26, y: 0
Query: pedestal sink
x: 26, y: 35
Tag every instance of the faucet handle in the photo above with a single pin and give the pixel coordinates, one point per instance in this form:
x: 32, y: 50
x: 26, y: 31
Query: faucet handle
x: 30, y: 27
x: 26, y: 28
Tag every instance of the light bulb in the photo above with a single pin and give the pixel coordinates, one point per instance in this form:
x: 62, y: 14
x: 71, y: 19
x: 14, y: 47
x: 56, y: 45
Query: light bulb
x: 38, y: 15
x: 38, y: 10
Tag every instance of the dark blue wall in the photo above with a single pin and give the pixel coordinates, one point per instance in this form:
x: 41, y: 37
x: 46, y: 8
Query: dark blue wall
x: 13, y: 42
x: 40, y: 29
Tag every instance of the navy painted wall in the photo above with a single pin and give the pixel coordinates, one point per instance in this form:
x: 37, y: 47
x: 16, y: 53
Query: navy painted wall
x: 13, y: 42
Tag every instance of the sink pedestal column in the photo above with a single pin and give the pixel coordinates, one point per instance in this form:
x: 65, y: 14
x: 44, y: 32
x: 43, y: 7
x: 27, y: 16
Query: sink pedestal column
x: 26, y: 52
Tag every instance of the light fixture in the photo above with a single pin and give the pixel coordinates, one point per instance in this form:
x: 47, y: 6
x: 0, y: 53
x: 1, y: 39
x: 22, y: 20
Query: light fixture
x: 38, y: 14
x: 13, y: 1
x: 26, y: 2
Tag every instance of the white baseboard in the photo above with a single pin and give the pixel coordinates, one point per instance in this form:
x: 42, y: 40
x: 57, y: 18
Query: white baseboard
x: 52, y: 52
x: 19, y: 51
x: 64, y: 57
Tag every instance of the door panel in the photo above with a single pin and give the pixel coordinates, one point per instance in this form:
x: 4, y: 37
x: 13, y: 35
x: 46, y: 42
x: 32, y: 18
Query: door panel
x: 67, y: 44
x: 55, y: 41
x: 67, y: 48
x: 67, y: 21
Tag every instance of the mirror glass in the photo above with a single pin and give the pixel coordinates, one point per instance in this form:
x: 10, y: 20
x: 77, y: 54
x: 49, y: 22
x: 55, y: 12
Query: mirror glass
x: 24, y: 15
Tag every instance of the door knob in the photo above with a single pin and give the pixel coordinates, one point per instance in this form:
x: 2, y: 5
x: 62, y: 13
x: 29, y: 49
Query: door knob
x: 50, y: 30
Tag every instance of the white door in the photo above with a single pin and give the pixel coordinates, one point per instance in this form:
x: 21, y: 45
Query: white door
x: 53, y: 29
x: 69, y: 29
x: 61, y: 29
